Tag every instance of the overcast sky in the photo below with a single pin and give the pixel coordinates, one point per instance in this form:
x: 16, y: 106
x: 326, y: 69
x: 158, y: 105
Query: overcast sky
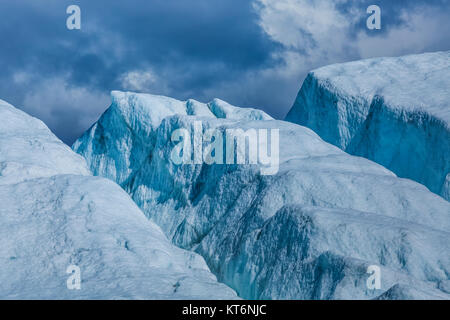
x: 248, y: 52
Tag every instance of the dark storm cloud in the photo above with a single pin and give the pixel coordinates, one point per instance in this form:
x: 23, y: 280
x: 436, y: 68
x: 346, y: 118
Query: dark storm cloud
x: 195, y: 44
x: 160, y: 33
x: 184, y: 48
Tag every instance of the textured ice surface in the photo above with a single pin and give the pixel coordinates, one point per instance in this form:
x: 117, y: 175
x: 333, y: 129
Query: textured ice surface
x: 30, y: 150
x: 54, y: 214
x: 308, y: 232
x: 394, y: 111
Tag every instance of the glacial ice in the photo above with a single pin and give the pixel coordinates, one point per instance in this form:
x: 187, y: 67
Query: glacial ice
x: 55, y: 214
x: 29, y: 150
x: 394, y: 111
x: 308, y: 232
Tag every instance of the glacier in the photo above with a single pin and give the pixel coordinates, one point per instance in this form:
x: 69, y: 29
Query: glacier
x: 308, y: 232
x: 394, y: 111
x: 55, y: 214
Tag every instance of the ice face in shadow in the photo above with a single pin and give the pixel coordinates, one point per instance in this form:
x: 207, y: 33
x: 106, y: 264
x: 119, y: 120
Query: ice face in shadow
x: 54, y: 215
x: 308, y: 232
x: 394, y: 111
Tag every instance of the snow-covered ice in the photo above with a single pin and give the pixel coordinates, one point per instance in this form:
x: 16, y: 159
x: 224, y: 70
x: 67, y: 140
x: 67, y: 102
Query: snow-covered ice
x: 394, y: 111
x: 308, y: 232
x: 55, y: 214
x: 29, y: 150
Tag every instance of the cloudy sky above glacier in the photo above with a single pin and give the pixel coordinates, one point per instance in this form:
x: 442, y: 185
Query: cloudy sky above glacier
x: 247, y: 52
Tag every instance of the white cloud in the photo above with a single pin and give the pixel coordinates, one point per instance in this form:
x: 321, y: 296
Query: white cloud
x: 21, y: 77
x: 301, y: 24
x: 138, y: 80
x: 315, y: 33
x: 425, y: 30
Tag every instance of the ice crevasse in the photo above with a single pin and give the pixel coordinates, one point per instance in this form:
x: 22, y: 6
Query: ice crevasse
x: 308, y: 232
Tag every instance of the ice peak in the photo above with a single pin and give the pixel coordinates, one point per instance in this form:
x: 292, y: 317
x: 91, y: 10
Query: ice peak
x: 150, y: 109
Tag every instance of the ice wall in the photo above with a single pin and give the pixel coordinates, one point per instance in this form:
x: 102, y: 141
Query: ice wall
x: 394, y: 111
